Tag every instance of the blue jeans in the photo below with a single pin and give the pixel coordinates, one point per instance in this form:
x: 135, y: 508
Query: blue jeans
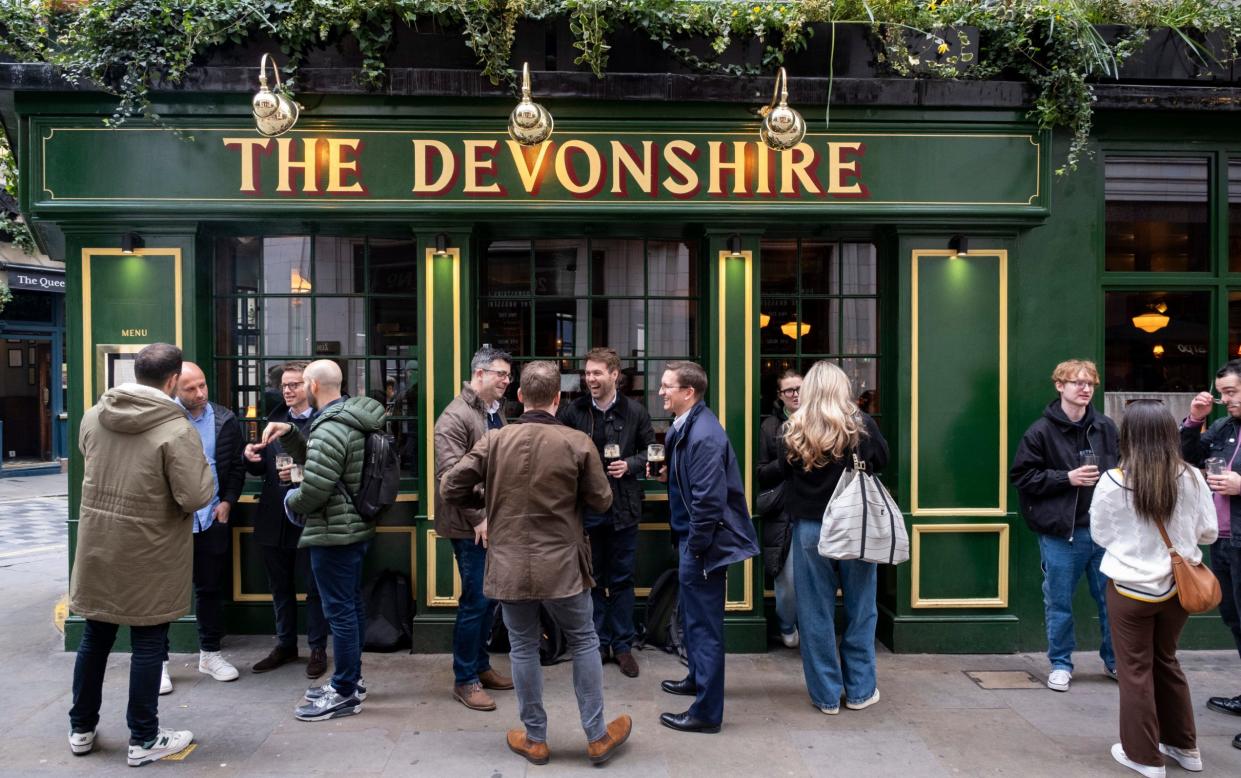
x: 612, y: 553
x: 145, y: 663
x: 338, y: 574
x: 786, y: 596
x: 818, y: 578
x: 573, y: 614
x: 1064, y: 562
x: 475, y: 614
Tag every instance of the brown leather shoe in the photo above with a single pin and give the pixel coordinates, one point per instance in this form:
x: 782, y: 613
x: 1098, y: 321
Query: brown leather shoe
x: 602, y: 749
x: 472, y: 696
x: 490, y: 679
x: 535, y: 753
x: 279, y: 655
x: 628, y: 665
x: 317, y: 665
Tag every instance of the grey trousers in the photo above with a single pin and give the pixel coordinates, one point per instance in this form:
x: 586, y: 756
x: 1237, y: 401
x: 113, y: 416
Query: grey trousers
x: 575, y: 615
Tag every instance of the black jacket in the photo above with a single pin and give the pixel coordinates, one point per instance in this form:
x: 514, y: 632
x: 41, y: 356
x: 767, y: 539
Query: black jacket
x: 1218, y: 441
x: 271, y: 526
x: 628, y: 424
x: 1040, y: 470
x: 777, y: 529
x: 229, y: 464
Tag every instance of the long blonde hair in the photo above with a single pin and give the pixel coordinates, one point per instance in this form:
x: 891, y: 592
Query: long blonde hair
x: 827, y: 422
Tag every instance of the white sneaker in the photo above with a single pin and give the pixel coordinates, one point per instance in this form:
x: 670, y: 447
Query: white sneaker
x: 82, y: 743
x: 1188, y: 758
x: 165, y: 680
x: 166, y: 743
x: 864, y: 704
x: 215, y: 665
x: 791, y: 640
x: 1059, y: 680
x: 1118, y: 753
x: 829, y: 711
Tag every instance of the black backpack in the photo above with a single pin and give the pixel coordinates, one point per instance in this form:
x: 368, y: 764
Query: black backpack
x: 662, y: 628
x: 381, y: 477
x: 553, y: 646
x: 389, y: 613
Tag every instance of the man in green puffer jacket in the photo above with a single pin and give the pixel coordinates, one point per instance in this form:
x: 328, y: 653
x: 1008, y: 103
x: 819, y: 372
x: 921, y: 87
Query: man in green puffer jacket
x: 335, y: 533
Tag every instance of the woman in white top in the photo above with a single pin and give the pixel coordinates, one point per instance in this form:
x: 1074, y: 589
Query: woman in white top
x: 1152, y: 485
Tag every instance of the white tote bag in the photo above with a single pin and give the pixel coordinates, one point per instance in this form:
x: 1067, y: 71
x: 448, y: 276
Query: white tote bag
x: 862, y: 521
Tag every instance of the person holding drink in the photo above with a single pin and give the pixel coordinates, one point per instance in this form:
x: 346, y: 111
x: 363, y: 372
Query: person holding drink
x: 1054, y: 472
x: 620, y: 428
x: 1215, y: 450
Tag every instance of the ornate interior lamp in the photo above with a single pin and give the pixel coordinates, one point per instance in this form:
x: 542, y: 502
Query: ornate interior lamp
x: 1153, y: 320
x: 274, y: 112
x: 783, y: 127
x: 530, y: 123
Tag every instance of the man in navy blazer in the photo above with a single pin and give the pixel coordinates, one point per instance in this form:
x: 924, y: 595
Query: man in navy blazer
x: 712, y: 527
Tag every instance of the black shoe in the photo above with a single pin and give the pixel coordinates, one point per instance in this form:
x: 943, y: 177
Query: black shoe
x: 683, y: 722
x: 279, y: 655
x: 685, y: 687
x: 1226, y: 704
x: 317, y: 665
x: 1236, y: 742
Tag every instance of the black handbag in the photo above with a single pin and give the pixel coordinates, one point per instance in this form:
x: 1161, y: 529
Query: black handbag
x: 770, y: 503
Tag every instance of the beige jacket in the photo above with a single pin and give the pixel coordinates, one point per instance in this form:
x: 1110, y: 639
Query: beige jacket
x: 145, y: 475
x: 462, y: 424
x: 538, y: 474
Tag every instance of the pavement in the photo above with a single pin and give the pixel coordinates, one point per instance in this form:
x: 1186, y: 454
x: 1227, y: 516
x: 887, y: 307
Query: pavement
x: 935, y: 718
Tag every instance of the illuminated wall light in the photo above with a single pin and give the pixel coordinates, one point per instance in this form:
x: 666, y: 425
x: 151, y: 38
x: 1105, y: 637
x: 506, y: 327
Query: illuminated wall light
x: 790, y: 329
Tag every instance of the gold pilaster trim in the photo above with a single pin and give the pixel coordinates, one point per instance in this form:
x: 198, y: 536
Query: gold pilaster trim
x: 454, y: 255
x: 747, y: 322
x: 1000, y: 600
x: 434, y: 599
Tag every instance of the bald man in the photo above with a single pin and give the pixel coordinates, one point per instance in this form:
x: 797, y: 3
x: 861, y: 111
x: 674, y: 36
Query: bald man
x: 222, y: 440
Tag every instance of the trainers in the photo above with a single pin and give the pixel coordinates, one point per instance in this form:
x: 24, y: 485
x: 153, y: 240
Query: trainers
x: 315, y: 692
x: 166, y: 743
x: 829, y: 711
x: 214, y: 664
x: 1059, y: 680
x: 864, y: 704
x: 613, y: 738
x: 1188, y: 758
x: 534, y: 753
x: 82, y: 743
x: 791, y: 640
x: 1150, y: 771
x: 330, y: 705
x: 472, y: 696
x: 1110, y: 672
x: 165, y: 680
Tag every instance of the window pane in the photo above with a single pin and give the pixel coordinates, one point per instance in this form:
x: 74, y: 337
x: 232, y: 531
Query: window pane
x: 674, y: 328
x: 338, y: 326
x: 399, y: 379
x: 239, y: 386
x: 394, y: 267
x: 619, y: 325
x: 236, y: 326
x: 818, y: 326
x: 859, y: 268
x: 286, y: 265
x: 1164, y: 354
x: 286, y: 327
x: 559, y: 267
x: 394, y: 327
x: 672, y: 267
x: 505, y: 324
x: 777, y: 312
x: 819, y: 274
x: 506, y: 267
x: 1234, y: 325
x: 1157, y: 215
x: 778, y: 266
x: 860, y: 333
x: 338, y: 265
x: 558, y: 328
x: 1234, y: 218
x: 864, y: 377
x: 616, y: 267
x: 661, y: 419
x: 237, y: 265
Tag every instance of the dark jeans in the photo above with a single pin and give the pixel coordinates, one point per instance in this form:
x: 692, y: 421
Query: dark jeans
x: 702, y: 623
x: 144, y: 670
x: 211, y: 572
x: 338, y: 573
x: 475, y: 614
x: 612, y: 553
x: 284, y: 567
x: 1226, y: 562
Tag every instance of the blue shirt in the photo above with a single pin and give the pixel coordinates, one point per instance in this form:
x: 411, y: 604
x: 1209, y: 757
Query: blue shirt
x: 205, y: 424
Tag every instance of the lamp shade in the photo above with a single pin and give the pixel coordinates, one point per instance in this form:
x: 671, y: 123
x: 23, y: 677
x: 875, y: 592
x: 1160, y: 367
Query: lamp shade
x: 1151, y: 321
x: 793, y: 330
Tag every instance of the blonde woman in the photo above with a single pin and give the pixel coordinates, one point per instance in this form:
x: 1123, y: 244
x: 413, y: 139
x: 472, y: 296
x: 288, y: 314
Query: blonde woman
x: 819, y: 440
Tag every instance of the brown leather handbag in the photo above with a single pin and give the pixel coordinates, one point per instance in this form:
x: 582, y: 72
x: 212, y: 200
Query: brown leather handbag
x: 1196, y: 586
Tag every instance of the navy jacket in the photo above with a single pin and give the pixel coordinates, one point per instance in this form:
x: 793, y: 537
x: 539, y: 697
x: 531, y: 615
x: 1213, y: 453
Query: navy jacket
x: 706, y: 497
x: 271, y: 526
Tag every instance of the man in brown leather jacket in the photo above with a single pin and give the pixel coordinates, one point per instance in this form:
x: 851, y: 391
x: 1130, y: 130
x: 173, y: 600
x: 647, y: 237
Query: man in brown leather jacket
x: 538, y: 475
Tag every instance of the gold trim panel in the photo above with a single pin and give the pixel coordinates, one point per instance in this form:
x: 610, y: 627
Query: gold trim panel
x: 434, y: 599
x: 1000, y: 600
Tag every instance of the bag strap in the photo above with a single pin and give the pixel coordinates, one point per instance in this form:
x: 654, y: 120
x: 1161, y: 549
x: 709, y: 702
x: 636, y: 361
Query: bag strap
x: 1163, y: 533
x: 858, y: 464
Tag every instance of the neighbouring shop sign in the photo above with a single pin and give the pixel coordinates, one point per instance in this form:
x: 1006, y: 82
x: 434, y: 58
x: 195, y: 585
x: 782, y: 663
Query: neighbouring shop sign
x: 221, y: 167
x: 36, y: 280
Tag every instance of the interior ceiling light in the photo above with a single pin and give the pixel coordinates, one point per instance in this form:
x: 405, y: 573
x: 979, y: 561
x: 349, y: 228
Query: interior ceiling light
x: 1153, y: 320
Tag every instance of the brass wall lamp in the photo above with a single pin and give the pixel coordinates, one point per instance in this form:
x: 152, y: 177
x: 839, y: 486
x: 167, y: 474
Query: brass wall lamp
x: 275, y: 113
x: 530, y: 123
x: 783, y: 127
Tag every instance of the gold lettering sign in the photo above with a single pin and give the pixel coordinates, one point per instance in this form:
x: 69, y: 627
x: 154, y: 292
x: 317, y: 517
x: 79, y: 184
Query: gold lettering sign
x: 134, y: 332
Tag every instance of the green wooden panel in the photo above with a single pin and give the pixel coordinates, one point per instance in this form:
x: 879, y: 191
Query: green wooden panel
x: 959, y: 565
x: 958, y: 382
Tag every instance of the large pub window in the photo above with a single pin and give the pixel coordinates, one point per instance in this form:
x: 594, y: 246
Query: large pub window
x: 820, y: 300
x: 297, y: 297
x: 558, y: 298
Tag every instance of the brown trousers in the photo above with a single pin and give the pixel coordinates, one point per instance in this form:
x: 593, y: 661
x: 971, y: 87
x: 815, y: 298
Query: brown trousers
x: 1154, y: 696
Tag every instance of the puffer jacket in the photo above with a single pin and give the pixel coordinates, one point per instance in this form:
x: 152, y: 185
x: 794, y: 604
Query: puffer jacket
x: 462, y: 424
x: 145, y: 474
x: 333, y: 449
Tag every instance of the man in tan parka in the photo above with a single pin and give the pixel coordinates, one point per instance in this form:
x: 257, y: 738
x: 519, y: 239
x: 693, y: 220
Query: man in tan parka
x: 144, y: 477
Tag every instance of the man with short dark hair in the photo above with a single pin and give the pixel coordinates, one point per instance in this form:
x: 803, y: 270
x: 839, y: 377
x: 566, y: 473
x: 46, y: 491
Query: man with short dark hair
x: 777, y: 527
x: 537, y: 475
x: 144, y: 475
x: 710, y: 521
x: 477, y: 409
x: 611, y: 419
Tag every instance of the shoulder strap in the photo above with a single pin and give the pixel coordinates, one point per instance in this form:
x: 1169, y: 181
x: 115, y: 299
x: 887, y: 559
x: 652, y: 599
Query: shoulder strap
x: 1163, y: 533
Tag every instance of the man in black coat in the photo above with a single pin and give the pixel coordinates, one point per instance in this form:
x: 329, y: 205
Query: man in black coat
x: 777, y: 527
x: 1054, y: 472
x: 611, y: 419
x: 277, y: 538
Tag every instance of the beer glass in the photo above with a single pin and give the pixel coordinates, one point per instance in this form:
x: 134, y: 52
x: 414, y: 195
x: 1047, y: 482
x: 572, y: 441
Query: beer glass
x: 1214, y: 466
x: 295, y: 474
x: 611, y: 453
x: 1088, y: 459
x: 655, y: 454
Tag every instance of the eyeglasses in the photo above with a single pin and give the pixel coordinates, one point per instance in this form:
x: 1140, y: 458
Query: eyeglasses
x: 791, y: 391
x: 1080, y: 384
x: 503, y: 375
x: 290, y: 387
x: 672, y: 386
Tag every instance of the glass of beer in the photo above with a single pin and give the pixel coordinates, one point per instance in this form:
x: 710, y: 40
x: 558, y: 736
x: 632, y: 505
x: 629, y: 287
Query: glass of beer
x: 295, y: 474
x: 655, y: 454
x: 283, y: 461
x: 611, y: 453
x: 1088, y: 459
x: 1214, y: 466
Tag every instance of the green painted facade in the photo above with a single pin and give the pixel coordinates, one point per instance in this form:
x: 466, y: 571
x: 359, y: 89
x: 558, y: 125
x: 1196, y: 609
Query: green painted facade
x: 967, y: 343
